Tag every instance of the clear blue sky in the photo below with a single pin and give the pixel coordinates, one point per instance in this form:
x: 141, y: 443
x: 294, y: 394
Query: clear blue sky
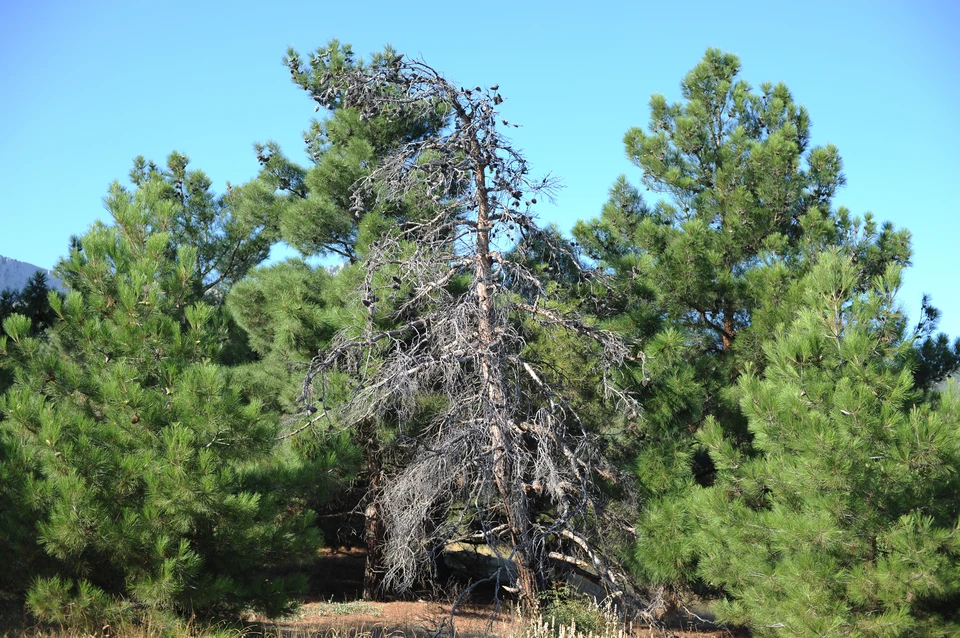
x: 87, y: 86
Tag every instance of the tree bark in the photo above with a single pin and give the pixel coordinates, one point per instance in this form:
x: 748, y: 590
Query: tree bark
x: 729, y: 331
x: 374, y: 530
x: 502, y: 429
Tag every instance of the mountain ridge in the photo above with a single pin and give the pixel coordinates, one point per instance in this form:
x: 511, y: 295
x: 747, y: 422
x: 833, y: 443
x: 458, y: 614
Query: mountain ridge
x: 14, y: 274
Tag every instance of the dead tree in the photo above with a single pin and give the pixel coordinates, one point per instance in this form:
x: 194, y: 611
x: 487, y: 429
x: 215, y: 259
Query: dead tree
x: 446, y: 291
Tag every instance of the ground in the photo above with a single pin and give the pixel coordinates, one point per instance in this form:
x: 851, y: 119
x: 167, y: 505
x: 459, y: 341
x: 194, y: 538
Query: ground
x: 335, y: 609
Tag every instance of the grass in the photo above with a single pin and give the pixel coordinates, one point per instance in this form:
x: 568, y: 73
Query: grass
x: 541, y: 628
x: 185, y: 630
x: 326, y: 609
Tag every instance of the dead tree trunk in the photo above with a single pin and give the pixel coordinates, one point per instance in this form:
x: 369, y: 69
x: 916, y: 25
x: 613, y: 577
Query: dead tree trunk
x: 374, y: 531
x: 446, y: 291
x: 503, y: 431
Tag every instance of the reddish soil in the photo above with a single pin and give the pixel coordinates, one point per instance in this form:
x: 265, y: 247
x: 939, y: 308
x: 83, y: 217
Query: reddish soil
x: 335, y: 610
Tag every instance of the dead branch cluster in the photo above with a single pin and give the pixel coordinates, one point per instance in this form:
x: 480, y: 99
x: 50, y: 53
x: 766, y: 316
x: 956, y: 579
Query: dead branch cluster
x: 506, y: 454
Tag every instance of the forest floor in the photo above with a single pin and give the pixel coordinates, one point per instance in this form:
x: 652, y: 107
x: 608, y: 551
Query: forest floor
x: 335, y: 609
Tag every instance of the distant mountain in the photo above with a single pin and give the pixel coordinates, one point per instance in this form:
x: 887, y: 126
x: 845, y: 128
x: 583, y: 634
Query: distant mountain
x: 14, y: 274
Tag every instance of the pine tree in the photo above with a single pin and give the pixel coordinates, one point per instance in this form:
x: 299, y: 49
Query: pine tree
x: 936, y: 358
x: 843, y: 519
x: 9, y: 300
x: 31, y: 302
x: 707, y: 273
x: 288, y: 310
x: 313, y: 206
x: 454, y: 281
x: 291, y: 310
x: 16, y: 541
x: 230, y: 235
x: 34, y: 300
x: 150, y: 483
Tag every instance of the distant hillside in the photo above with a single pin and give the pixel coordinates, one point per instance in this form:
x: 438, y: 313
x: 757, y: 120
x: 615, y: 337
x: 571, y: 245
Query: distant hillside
x: 14, y: 274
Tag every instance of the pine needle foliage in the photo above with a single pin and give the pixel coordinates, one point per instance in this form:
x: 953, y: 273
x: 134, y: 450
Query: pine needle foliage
x: 292, y: 310
x: 313, y: 206
x: 708, y: 272
x: 230, y: 235
x: 31, y: 302
x: 146, y: 476
x: 844, y: 520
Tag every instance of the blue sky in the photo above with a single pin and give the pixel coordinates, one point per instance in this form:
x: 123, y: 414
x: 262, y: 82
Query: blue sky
x: 87, y: 86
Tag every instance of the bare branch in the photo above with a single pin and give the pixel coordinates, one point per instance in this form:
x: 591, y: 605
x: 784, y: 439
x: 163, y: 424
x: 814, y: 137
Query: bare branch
x: 446, y: 292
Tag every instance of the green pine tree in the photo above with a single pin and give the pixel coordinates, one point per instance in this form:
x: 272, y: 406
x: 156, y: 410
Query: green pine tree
x: 17, y: 540
x: 708, y: 272
x: 9, y: 300
x: 34, y: 302
x: 31, y: 302
x: 936, y: 358
x: 287, y: 310
x: 314, y: 207
x: 843, y: 520
x: 291, y: 310
x: 150, y: 484
x: 230, y: 235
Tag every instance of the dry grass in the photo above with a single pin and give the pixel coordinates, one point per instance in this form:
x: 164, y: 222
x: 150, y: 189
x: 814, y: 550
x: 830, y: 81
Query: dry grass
x: 429, y: 619
x: 147, y: 629
x: 540, y: 629
x: 420, y: 619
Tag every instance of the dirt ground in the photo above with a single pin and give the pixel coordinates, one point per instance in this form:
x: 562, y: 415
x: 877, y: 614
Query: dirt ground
x: 424, y: 619
x: 335, y: 610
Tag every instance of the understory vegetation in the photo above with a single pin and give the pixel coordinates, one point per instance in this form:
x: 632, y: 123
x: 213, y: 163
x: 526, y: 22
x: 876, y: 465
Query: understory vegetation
x: 710, y: 390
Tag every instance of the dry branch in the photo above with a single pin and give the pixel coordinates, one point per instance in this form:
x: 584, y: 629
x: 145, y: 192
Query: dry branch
x: 505, y: 442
